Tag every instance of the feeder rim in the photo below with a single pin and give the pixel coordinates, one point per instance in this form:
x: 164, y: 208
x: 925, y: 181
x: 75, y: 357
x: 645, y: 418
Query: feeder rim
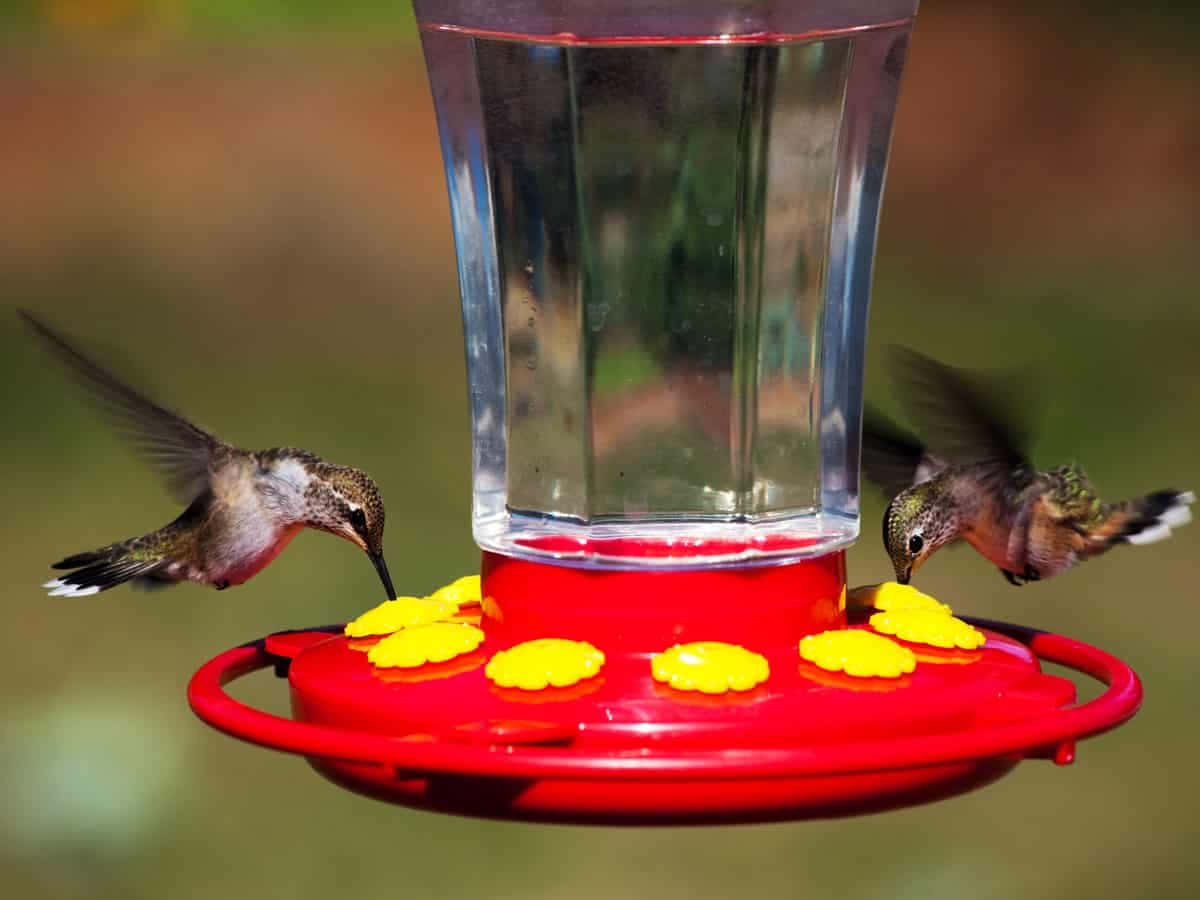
x: 1051, y: 733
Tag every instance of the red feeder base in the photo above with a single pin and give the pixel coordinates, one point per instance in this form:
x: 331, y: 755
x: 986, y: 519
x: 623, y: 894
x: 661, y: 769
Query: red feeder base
x: 621, y: 747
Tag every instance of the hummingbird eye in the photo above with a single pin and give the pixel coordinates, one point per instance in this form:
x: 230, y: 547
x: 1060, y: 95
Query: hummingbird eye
x: 915, y: 543
x: 359, y: 520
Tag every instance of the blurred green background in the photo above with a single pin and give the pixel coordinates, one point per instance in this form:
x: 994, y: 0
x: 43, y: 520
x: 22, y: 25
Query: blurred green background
x: 242, y: 205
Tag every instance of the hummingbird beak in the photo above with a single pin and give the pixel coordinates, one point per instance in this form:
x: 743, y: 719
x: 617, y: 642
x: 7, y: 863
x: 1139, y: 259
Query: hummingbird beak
x: 903, y: 577
x: 381, y: 568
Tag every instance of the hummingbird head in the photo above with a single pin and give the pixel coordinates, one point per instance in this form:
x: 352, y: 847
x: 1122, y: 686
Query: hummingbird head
x: 914, y: 526
x: 346, y: 502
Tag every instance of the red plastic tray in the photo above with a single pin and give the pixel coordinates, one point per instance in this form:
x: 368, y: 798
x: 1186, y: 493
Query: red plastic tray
x: 628, y: 750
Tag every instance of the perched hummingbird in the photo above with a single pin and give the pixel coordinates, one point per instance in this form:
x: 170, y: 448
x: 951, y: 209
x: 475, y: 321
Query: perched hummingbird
x: 243, y: 506
x: 971, y: 480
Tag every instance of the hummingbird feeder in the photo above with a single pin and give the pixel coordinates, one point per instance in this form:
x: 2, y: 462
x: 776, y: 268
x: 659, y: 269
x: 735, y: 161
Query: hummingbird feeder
x: 665, y: 217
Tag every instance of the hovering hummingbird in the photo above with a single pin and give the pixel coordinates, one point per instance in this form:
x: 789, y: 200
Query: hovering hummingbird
x: 972, y: 480
x: 243, y: 506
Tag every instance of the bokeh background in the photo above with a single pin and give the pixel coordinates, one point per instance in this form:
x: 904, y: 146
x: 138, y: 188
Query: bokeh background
x: 241, y: 204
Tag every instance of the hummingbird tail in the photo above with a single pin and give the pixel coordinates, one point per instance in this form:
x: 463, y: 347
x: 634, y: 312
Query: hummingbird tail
x: 1148, y: 519
x: 85, y: 559
x: 99, y: 570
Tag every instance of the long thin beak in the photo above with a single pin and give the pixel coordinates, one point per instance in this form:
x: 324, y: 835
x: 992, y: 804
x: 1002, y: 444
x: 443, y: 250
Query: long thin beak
x: 381, y: 568
x: 903, y: 578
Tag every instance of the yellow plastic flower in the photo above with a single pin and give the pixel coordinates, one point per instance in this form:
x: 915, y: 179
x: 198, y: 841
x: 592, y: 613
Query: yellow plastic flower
x: 403, y: 612
x: 546, y: 662
x: 891, y: 595
x: 463, y: 591
x: 922, y: 626
x: 711, y: 667
x: 858, y: 653
x: 423, y: 644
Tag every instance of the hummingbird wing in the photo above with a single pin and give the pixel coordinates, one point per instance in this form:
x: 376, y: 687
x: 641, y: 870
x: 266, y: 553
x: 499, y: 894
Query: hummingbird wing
x: 893, y: 458
x: 183, y: 452
x: 964, y: 417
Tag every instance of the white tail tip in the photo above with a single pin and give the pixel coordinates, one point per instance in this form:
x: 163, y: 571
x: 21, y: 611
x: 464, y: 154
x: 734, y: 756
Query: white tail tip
x: 1151, y: 535
x: 1176, y: 516
x: 59, y: 588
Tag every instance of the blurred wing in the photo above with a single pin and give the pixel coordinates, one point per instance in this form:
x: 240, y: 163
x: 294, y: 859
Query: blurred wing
x: 182, y: 451
x: 962, y: 416
x: 891, y: 457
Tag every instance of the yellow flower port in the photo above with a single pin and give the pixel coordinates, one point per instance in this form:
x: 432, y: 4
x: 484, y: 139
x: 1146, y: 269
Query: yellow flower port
x: 403, y: 612
x: 465, y: 591
x: 546, y: 662
x: 858, y: 653
x: 922, y: 626
x: 421, y: 644
x: 891, y: 596
x: 710, y: 667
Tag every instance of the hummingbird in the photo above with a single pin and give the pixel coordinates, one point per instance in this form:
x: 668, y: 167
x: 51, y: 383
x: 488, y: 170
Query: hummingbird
x: 970, y: 479
x: 243, y: 507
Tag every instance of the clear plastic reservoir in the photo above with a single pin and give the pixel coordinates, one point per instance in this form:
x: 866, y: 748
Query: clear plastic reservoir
x: 665, y: 217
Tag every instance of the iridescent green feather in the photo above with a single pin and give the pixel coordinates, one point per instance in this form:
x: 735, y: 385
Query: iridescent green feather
x: 1072, y: 497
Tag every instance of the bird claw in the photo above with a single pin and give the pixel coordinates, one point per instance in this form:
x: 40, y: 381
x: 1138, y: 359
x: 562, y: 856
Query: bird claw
x: 1030, y: 574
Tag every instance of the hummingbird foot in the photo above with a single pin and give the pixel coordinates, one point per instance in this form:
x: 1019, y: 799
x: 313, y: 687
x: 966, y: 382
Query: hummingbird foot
x: 1011, y: 578
x: 1030, y: 574
x: 221, y: 585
